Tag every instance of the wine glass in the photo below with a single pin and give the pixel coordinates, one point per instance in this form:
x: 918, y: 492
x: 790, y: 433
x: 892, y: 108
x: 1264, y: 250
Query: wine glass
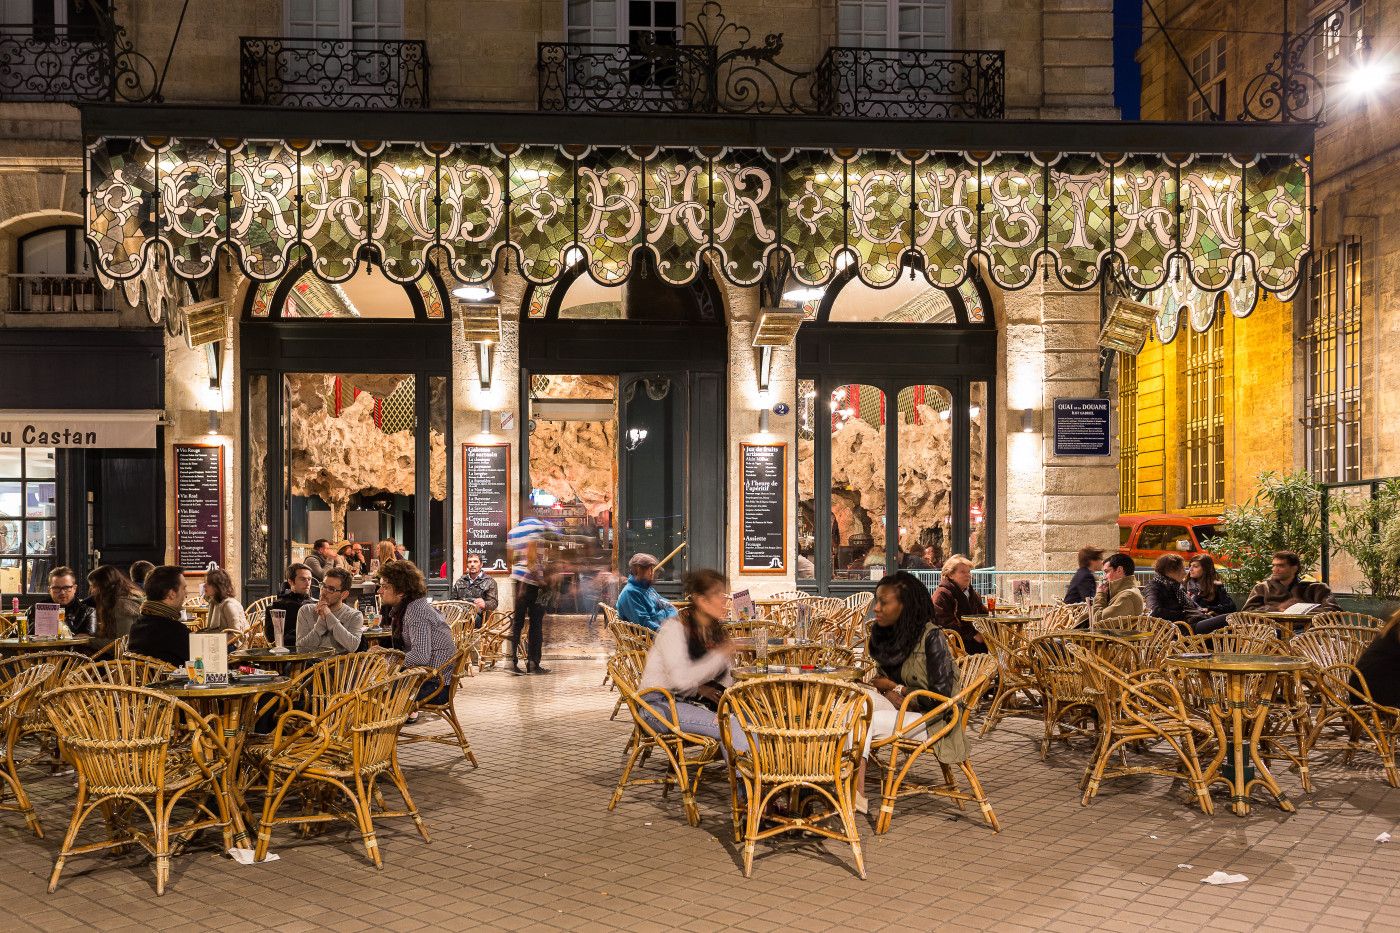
x: 279, y: 625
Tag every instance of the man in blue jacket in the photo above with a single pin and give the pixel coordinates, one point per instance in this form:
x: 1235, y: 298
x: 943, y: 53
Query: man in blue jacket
x: 639, y: 602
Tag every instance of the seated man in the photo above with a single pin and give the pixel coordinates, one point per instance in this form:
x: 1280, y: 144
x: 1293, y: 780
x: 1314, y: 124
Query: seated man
x: 80, y: 617
x: 477, y: 588
x: 1118, y: 595
x: 1281, y: 590
x: 160, y: 632
x: 331, y: 622
x: 296, y: 592
x: 639, y: 602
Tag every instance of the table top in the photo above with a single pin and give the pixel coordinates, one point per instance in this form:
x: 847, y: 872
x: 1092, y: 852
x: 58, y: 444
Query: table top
x: 1286, y: 616
x: 1239, y: 663
x: 749, y: 673
x: 1123, y: 634
x: 186, y: 690
x: 378, y: 633
x: 1009, y: 619
x: 263, y: 656
x: 44, y: 644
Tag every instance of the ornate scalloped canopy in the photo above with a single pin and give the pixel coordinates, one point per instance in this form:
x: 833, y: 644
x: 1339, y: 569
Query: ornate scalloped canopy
x: 542, y: 209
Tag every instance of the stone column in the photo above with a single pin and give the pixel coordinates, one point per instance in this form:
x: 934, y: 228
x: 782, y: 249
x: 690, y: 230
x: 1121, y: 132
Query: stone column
x: 1051, y: 506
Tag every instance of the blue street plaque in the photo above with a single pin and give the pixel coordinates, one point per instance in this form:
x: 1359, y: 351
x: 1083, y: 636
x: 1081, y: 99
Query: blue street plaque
x: 1081, y: 427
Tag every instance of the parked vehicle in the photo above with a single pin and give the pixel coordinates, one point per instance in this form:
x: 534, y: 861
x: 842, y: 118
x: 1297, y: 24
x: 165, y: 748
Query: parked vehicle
x: 1147, y: 537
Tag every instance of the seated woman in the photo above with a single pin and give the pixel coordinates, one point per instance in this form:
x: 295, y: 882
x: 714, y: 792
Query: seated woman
x: 419, y: 630
x: 118, y: 602
x: 690, y: 657
x: 1163, y: 596
x: 910, y: 654
x: 1380, y: 664
x: 1205, y: 589
x: 225, y: 613
x: 955, y: 599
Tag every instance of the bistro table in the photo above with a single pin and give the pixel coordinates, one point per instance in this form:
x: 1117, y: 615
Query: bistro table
x: 15, y: 646
x: 752, y: 672
x: 377, y: 634
x: 1245, y: 721
x: 1288, y: 622
x: 1009, y: 619
x: 234, y: 705
x: 1135, y: 639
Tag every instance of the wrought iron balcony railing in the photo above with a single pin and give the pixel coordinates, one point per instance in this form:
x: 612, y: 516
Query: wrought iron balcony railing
x: 42, y: 293
x: 350, y: 73
x: 953, y: 84
x: 718, y: 69
x: 55, y: 63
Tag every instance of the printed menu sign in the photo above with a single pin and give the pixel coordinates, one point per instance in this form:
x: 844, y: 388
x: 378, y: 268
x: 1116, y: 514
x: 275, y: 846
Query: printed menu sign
x: 46, y: 620
x: 763, y: 509
x: 199, y: 497
x: 1081, y: 427
x: 209, y: 657
x: 486, y: 503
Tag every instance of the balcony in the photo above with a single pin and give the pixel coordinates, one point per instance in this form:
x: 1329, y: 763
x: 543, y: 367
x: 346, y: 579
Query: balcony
x: 369, y: 74
x: 55, y: 63
x: 847, y: 82
x: 58, y: 294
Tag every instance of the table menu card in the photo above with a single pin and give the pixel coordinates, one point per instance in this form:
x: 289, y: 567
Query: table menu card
x: 46, y: 620
x: 209, y: 654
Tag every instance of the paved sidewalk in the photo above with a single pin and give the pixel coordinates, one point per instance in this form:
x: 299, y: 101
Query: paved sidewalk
x: 527, y: 842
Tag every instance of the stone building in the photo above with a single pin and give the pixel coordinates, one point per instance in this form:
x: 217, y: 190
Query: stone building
x: 630, y: 400
x: 1299, y: 383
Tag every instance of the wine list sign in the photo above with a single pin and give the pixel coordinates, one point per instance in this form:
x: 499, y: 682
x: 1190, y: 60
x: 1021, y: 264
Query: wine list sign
x: 763, y: 509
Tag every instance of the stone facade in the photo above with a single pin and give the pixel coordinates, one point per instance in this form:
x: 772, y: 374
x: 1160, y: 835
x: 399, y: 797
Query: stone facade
x: 1355, y: 190
x: 483, y: 54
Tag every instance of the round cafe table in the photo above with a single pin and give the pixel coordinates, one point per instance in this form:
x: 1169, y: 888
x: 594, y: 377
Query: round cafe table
x: 751, y: 672
x: 290, y: 662
x: 234, y: 705
x: 380, y: 635
x: 15, y: 646
x: 1232, y: 713
x: 1289, y: 623
x: 1009, y: 619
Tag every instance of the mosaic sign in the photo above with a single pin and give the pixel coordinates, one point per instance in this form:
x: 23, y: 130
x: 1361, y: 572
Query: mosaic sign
x: 545, y: 210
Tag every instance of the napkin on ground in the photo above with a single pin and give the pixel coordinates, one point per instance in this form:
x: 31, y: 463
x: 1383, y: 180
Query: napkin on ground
x: 245, y: 856
x: 1223, y: 877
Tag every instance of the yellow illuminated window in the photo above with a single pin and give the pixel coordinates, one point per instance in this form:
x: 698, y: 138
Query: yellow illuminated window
x: 1205, y: 414
x: 1127, y: 433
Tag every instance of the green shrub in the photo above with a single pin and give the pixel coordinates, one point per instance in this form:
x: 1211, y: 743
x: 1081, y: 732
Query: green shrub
x: 1284, y: 514
x: 1368, y: 530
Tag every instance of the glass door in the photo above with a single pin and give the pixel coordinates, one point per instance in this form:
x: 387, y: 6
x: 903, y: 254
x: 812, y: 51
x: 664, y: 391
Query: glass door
x: 652, y: 474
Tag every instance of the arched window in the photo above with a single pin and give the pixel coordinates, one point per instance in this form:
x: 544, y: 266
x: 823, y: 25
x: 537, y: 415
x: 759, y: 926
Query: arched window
x: 366, y: 295
x: 53, y: 274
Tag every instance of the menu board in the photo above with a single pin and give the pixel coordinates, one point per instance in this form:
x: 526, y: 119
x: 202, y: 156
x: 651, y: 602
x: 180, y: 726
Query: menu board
x: 486, y: 503
x: 199, y: 499
x: 763, y: 509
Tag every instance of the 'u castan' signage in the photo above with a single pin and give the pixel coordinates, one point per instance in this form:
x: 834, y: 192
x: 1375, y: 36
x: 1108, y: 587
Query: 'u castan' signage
x: 97, y: 429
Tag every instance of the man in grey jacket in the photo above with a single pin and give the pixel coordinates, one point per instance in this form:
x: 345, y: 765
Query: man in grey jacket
x: 330, y: 622
x: 321, y: 559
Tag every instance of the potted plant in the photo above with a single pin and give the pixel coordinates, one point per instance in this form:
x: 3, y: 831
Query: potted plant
x: 1283, y: 514
x: 1368, y: 531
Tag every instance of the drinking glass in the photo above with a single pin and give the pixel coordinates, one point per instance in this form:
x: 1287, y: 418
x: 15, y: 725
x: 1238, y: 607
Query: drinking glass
x: 279, y: 625
x: 760, y: 646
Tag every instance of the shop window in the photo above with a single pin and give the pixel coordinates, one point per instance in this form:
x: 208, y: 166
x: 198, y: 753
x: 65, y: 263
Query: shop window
x: 806, y: 479
x: 857, y: 483
x: 1205, y: 414
x: 925, y: 471
x: 1332, y: 348
x: 28, y: 518
x: 895, y: 24
x: 1127, y: 434
x: 979, y: 437
x: 1208, y: 73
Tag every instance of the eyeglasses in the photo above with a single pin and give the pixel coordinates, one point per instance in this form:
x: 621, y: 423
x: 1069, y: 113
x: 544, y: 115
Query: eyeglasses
x: 330, y: 590
x: 62, y: 589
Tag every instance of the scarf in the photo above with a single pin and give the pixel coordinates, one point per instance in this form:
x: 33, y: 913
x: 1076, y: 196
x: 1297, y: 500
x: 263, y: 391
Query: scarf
x: 160, y: 610
x: 885, y: 649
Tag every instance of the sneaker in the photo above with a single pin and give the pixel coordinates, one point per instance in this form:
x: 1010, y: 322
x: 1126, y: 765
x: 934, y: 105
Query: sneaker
x: 514, y: 667
x: 536, y: 669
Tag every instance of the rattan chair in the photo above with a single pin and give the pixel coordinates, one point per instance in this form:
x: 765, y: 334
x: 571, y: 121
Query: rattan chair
x: 1158, y: 635
x: 1226, y: 641
x: 859, y: 603
x: 20, y: 697
x: 1359, y: 619
x: 493, y: 634
x: 350, y: 747
x: 256, y: 612
x: 802, y: 733
x: 916, y: 733
x: 36, y: 724
x: 1348, y: 641
x: 1141, y: 708
x: 1265, y: 630
x: 816, y: 655
x: 442, y: 704
x: 126, y: 743
x: 1007, y: 643
x: 955, y: 643
x: 1066, y: 617
x: 1254, y: 622
x: 655, y: 727
x: 1065, y: 687
x: 1346, y: 700
x: 129, y: 672
x: 629, y: 636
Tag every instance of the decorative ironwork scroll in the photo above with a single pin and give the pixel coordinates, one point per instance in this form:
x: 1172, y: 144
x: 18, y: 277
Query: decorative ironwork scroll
x: 717, y: 67
x: 55, y: 62
x: 553, y: 210
x: 353, y: 73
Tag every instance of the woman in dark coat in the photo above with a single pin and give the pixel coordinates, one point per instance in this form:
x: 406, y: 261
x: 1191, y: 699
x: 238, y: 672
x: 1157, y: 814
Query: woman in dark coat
x: 1163, y: 594
x: 1205, y: 589
x: 955, y: 599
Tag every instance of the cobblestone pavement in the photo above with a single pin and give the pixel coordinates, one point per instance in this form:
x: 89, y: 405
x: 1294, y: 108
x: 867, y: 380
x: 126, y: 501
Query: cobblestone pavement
x: 527, y: 842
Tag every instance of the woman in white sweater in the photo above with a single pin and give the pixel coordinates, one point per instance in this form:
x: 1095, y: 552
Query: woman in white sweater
x: 225, y: 613
x: 691, y: 655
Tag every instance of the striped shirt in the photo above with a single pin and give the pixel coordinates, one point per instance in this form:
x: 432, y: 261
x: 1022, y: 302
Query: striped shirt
x: 427, y: 636
x: 524, y: 541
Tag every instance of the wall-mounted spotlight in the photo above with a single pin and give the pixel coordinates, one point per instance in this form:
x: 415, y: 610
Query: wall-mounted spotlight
x: 1027, y: 421
x: 484, y: 359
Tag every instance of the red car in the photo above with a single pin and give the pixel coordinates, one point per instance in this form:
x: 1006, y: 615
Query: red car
x: 1147, y: 537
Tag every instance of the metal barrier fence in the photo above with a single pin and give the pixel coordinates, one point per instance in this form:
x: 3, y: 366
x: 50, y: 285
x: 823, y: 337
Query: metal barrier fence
x: 1019, y: 586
